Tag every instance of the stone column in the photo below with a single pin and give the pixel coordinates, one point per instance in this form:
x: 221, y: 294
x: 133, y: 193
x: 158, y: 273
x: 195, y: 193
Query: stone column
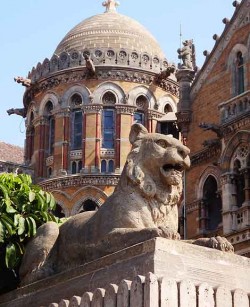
x: 246, y: 173
x: 62, y: 140
x: 229, y: 202
x: 41, y: 131
x: 125, y: 114
x: 29, y: 144
x: 93, y: 141
x: 185, y: 78
x: 153, y: 117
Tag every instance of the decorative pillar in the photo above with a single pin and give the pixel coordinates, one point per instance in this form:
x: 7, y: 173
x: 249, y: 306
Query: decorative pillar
x: 98, y: 142
x: 62, y: 139
x: 246, y: 172
x: 185, y: 78
x: 153, y: 117
x: 41, y: 130
x: 125, y: 116
x: 92, y: 144
x: 29, y: 144
x: 203, y: 216
x: 83, y: 139
x: 118, y: 140
x: 229, y: 203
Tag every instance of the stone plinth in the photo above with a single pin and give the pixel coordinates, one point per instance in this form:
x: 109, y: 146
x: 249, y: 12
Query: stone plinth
x: 165, y: 258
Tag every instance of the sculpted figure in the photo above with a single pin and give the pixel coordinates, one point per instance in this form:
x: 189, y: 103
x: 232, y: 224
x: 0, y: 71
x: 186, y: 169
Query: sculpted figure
x: 89, y: 65
x: 187, y: 54
x: 143, y: 206
x: 20, y: 112
x: 24, y: 81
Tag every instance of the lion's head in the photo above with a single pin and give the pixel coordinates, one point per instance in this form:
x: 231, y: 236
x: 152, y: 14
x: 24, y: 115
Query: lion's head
x: 156, y: 164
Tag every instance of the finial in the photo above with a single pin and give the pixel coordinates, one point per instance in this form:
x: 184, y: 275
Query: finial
x: 110, y: 5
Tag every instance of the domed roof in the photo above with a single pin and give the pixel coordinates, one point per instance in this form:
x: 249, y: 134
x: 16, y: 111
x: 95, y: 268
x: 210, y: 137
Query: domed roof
x: 110, y: 30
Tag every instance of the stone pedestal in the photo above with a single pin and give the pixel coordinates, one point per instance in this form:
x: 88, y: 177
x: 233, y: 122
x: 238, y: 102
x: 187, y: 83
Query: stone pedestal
x: 165, y: 258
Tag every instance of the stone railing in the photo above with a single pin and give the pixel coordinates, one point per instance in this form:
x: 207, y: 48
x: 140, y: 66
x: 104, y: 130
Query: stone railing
x: 235, y: 107
x: 99, y: 57
x: 151, y: 291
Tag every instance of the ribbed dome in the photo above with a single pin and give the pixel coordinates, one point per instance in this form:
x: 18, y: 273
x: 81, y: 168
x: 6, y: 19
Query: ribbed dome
x: 110, y: 30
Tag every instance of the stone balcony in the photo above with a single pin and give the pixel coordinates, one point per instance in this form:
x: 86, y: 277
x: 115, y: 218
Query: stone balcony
x: 235, y: 108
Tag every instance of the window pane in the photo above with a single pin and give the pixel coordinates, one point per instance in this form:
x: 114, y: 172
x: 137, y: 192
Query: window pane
x: 108, y: 129
x: 111, y: 166
x: 139, y: 118
x: 77, y: 130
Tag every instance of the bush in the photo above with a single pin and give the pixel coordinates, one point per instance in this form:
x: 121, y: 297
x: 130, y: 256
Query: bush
x: 23, y: 208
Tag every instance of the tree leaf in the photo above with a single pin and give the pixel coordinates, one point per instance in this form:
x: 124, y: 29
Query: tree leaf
x: 11, y: 256
x: 32, y: 196
x: 2, y: 232
x: 21, y: 225
x: 32, y: 225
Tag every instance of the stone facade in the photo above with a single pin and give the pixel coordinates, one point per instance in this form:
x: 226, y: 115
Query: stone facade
x: 217, y: 131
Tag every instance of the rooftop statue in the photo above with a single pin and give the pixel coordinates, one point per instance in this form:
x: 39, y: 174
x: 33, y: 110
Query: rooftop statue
x: 187, y: 54
x: 143, y: 206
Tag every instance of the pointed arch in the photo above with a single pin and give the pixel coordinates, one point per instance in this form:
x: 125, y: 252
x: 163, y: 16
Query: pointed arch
x: 241, y: 137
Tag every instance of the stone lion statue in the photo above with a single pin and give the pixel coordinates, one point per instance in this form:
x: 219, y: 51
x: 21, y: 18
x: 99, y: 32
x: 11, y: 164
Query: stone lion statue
x: 143, y: 206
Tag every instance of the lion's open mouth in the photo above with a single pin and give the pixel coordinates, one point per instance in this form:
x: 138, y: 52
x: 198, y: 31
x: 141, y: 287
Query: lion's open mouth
x: 176, y: 167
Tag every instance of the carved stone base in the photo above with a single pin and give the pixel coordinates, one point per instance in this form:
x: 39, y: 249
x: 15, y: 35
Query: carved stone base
x: 172, y: 259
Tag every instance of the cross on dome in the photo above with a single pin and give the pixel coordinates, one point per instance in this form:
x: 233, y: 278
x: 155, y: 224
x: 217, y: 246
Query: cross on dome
x: 110, y: 5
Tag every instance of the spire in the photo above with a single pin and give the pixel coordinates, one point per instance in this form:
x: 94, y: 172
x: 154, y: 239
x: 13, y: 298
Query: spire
x: 110, y: 5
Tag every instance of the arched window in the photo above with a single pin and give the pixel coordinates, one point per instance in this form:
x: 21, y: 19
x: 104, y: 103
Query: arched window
x: 103, y: 166
x: 108, y: 128
x: 168, y: 108
x: 76, y: 130
x: 73, y: 168
x: 111, y: 166
x: 88, y: 205
x: 79, y: 166
x: 213, y: 203
x: 76, y: 122
x: 109, y: 98
x: 51, y: 132
x: 239, y: 73
x: 239, y: 184
x: 76, y: 100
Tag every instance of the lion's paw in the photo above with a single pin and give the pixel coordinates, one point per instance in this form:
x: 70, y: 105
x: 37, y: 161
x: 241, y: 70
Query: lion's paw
x: 219, y: 243
x: 169, y: 233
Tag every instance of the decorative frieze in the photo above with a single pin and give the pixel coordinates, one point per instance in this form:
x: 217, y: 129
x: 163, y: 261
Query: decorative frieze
x: 69, y: 76
x: 79, y: 180
x: 91, y: 108
x: 206, y: 154
x: 194, y: 206
x: 125, y: 109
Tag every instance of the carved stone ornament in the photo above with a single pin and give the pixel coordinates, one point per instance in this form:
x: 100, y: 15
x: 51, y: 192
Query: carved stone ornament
x: 148, y: 193
x: 78, y: 76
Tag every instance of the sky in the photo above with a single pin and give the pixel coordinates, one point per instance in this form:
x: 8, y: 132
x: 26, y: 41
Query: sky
x: 30, y: 31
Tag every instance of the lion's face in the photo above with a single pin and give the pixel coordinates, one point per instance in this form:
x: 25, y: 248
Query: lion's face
x: 156, y: 162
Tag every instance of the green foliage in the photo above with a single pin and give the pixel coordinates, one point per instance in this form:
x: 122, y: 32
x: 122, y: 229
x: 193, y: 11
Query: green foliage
x: 23, y: 208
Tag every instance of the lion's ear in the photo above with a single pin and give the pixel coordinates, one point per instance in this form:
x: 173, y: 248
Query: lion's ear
x: 137, y: 130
